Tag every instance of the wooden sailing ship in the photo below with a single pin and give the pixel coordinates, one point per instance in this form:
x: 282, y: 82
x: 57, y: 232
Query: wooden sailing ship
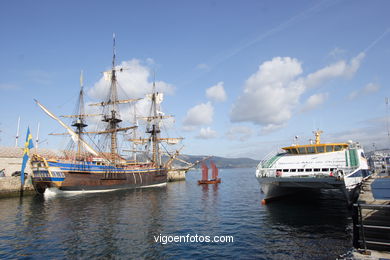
x: 214, y: 174
x: 92, y: 168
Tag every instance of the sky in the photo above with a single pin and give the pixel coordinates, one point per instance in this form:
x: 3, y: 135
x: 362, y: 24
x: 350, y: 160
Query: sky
x: 242, y: 78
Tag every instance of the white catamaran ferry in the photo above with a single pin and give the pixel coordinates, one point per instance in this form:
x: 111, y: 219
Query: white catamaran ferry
x: 317, y: 166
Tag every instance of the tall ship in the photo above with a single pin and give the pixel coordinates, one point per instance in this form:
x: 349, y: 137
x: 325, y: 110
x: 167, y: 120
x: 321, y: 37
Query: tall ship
x: 94, y: 167
x: 313, y: 167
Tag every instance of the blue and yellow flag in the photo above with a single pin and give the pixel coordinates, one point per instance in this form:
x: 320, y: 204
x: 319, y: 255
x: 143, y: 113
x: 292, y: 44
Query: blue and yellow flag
x: 27, y: 146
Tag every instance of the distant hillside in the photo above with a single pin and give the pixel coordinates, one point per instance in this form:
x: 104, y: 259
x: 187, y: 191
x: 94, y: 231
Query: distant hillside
x: 221, y: 162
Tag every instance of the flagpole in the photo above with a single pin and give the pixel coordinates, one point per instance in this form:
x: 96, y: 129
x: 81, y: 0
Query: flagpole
x: 17, y: 133
x: 37, y: 139
x: 29, y: 144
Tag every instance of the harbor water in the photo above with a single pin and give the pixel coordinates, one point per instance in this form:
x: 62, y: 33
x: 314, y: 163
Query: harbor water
x: 132, y: 224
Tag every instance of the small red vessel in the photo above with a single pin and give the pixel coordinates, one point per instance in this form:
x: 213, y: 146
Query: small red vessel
x: 205, y: 174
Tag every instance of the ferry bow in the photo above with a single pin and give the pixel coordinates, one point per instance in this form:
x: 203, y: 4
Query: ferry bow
x: 340, y: 166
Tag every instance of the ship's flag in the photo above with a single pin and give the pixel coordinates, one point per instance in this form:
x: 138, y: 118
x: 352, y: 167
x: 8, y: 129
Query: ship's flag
x: 27, y: 146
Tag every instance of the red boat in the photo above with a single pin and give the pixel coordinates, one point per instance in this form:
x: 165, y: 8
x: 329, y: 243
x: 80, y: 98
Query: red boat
x: 205, y: 174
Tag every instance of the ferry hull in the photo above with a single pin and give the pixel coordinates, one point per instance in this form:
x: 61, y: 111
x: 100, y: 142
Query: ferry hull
x: 275, y: 188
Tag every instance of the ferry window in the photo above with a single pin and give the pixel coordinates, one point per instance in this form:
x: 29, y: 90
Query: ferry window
x: 316, y: 170
x: 329, y: 148
x: 308, y: 170
x: 293, y: 170
x: 285, y: 170
x: 294, y: 151
x: 325, y: 169
x: 338, y: 147
x: 302, y: 149
x: 300, y: 170
x: 310, y: 149
x: 279, y: 170
x: 320, y: 149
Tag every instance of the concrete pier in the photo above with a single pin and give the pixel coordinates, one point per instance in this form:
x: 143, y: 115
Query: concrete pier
x: 177, y: 174
x: 10, y: 186
x: 11, y: 162
x: 371, y: 224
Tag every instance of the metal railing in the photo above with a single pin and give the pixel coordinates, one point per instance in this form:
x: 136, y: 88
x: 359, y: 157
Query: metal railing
x: 364, y: 224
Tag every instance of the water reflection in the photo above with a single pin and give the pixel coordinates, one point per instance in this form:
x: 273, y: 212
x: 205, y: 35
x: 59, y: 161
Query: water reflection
x: 124, y: 224
x: 309, y: 219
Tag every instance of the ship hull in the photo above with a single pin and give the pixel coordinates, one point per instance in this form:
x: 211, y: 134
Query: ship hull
x: 92, y: 177
x: 213, y: 181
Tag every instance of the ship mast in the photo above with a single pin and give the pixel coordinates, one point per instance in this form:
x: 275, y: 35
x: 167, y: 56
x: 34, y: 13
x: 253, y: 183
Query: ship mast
x: 154, y: 128
x: 135, y: 134
x: 112, y: 116
x: 79, y: 123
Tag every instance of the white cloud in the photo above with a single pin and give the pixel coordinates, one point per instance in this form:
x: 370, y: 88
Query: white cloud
x: 201, y: 114
x: 207, y: 133
x: 271, y: 128
x: 338, y: 69
x: 216, y: 93
x: 150, y: 61
x: 367, y: 89
x: 314, y: 101
x: 188, y: 128
x: 371, y: 87
x: 337, y: 52
x: 39, y: 76
x: 241, y: 133
x: 203, y: 66
x: 133, y: 82
x: 7, y: 86
x: 272, y: 93
x: 369, y: 133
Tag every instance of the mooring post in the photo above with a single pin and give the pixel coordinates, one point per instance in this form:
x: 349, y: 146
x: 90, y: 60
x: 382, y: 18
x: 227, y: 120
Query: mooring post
x: 355, y: 223
x: 21, y: 188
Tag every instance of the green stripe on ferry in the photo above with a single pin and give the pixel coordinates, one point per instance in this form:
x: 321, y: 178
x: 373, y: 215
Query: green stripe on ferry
x: 353, y: 158
x: 271, y: 161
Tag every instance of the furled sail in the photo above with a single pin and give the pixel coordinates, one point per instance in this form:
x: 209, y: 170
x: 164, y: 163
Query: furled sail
x: 170, y: 141
x: 81, y: 115
x: 159, y: 97
x: 76, y: 138
x: 124, y: 101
